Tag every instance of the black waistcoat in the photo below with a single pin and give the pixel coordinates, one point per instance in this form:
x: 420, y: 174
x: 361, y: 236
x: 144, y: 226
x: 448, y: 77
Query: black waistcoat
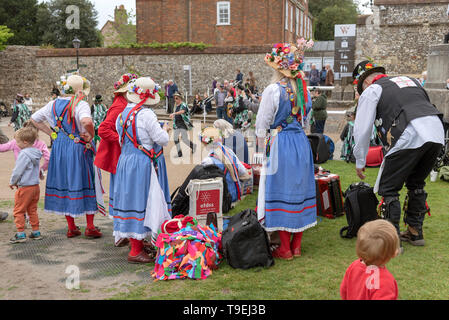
x: 403, y: 99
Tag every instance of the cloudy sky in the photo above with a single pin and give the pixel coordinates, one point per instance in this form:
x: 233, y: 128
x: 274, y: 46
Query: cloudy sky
x: 105, y: 9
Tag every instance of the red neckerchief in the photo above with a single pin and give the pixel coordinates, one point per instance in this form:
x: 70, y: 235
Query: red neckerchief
x: 380, y: 76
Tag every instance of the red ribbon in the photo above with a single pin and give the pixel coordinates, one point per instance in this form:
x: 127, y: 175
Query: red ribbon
x: 144, y: 96
x: 380, y: 76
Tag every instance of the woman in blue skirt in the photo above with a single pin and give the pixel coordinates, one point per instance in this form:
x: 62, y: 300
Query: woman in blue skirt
x: 71, y: 182
x: 286, y: 200
x: 141, y: 193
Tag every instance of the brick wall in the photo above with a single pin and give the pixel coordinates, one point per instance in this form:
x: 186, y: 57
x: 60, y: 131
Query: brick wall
x: 252, y: 22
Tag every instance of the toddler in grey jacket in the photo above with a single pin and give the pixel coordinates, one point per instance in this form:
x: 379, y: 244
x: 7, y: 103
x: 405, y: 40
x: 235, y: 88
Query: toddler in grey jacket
x: 25, y: 178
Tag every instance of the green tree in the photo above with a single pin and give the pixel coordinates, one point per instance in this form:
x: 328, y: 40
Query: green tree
x: 20, y: 18
x: 328, y: 13
x: 5, y: 35
x: 59, y: 24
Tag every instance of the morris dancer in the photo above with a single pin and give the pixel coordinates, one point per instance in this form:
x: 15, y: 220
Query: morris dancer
x: 70, y: 189
x: 287, y: 195
x: 109, y: 147
x: 20, y: 113
x: 226, y: 160
x: 412, y: 132
x: 141, y: 194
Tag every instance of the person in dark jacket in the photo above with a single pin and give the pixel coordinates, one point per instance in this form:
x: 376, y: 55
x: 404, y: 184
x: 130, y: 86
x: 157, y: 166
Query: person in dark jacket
x: 319, y: 113
x: 314, y: 76
x: 412, y: 133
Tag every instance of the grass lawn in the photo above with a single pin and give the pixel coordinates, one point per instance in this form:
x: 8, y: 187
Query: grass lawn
x: 421, y: 272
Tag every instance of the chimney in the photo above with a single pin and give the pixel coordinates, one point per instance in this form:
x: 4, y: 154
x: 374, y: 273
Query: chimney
x: 120, y: 15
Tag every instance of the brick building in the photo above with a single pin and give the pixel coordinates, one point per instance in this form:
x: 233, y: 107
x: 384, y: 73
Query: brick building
x: 119, y: 30
x: 223, y: 23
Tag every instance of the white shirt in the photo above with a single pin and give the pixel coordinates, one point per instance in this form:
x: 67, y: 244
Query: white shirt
x: 415, y: 135
x: 148, y: 128
x: 268, y: 108
x: 82, y: 111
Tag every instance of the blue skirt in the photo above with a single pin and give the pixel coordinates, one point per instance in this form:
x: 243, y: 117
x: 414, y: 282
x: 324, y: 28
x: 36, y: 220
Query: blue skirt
x: 131, y: 186
x: 290, y: 194
x: 70, y: 188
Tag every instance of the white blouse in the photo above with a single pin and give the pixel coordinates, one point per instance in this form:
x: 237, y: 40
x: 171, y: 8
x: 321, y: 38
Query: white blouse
x: 148, y: 128
x: 268, y: 108
x: 82, y: 111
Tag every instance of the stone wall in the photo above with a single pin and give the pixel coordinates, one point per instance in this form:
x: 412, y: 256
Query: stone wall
x: 35, y: 71
x: 399, y: 35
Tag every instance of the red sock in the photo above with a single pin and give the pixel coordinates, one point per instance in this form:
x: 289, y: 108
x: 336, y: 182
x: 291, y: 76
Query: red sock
x: 90, y: 221
x: 136, y: 247
x: 71, y: 222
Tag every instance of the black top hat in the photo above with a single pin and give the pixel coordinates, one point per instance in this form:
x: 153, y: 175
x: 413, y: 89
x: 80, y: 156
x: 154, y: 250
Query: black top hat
x: 363, y: 70
x: 98, y: 97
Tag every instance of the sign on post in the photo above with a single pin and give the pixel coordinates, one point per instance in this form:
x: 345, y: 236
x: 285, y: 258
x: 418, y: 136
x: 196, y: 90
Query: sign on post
x: 344, y: 57
x: 188, y: 78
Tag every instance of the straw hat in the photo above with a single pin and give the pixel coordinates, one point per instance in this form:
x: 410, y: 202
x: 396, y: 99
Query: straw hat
x: 75, y: 84
x: 288, y: 58
x: 209, y: 135
x: 143, y: 89
x: 121, y: 86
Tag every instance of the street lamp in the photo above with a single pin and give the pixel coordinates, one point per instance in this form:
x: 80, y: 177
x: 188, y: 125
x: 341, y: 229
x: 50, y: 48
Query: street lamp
x: 76, y: 44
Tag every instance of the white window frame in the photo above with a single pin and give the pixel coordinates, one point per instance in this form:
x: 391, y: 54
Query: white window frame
x: 297, y: 21
x: 228, y: 5
x: 286, y: 14
x: 302, y: 23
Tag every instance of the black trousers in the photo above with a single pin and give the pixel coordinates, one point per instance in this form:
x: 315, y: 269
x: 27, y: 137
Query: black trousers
x: 409, y: 166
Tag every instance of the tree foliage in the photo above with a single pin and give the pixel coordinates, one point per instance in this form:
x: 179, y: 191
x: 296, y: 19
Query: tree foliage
x: 5, y: 35
x: 20, y: 18
x: 328, y: 13
x: 56, y: 24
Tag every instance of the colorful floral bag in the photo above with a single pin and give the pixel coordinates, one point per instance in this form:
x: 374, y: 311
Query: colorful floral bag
x: 192, y: 251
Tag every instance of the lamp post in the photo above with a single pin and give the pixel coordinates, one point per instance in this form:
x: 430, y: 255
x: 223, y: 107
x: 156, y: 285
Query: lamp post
x: 76, y: 44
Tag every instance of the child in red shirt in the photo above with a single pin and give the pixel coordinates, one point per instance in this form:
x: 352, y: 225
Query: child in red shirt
x: 367, y: 278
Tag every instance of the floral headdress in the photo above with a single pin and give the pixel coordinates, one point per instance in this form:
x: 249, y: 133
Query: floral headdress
x: 209, y: 135
x: 288, y: 59
x: 67, y: 89
x: 133, y: 88
x: 124, y: 80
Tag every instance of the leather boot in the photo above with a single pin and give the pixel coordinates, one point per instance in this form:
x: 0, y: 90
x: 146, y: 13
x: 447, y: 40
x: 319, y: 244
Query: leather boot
x: 284, y: 252
x: 296, y: 244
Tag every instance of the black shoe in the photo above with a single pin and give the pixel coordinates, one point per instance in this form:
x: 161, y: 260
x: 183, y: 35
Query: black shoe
x: 179, y: 154
x: 193, y: 148
x: 413, y: 239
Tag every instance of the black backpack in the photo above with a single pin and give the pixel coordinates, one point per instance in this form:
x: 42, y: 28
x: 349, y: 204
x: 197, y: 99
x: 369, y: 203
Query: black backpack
x: 181, y: 201
x: 360, y: 207
x: 320, y: 148
x: 245, y: 242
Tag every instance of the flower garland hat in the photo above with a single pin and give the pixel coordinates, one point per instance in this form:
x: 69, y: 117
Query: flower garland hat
x: 143, y: 91
x: 210, y: 135
x: 362, y: 71
x: 121, y: 86
x: 72, y: 84
x: 288, y: 59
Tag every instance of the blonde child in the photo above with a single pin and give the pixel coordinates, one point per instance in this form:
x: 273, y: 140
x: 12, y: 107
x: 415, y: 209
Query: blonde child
x: 367, y: 278
x: 25, y: 178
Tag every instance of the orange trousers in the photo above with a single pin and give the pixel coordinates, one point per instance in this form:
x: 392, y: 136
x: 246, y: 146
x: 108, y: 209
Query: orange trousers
x: 25, y: 201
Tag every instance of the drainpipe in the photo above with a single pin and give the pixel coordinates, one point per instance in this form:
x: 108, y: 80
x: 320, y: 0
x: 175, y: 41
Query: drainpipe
x: 189, y: 20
